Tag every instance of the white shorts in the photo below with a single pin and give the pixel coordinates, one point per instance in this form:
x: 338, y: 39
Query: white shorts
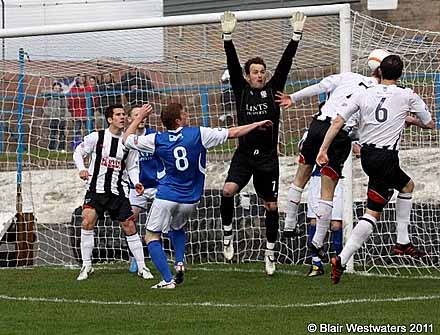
x: 314, y: 195
x: 141, y: 200
x: 166, y: 214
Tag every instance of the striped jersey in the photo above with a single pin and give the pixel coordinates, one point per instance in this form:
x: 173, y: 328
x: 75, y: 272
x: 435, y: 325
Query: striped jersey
x: 383, y: 109
x: 183, y: 154
x: 111, y: 163
x: 338, y: 88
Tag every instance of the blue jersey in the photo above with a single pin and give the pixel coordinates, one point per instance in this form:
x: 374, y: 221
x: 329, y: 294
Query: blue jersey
x: 183, y: 154
x: 149, y: 166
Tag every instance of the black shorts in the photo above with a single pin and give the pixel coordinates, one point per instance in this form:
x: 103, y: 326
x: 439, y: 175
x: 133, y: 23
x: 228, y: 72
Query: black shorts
x: 264, y: 168
x: 118, y: 207
x: 384, y: 175
x: 337, y: 153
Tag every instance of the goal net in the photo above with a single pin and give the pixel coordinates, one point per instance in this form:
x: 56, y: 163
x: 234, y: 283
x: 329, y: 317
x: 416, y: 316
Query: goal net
x: 55, y: 87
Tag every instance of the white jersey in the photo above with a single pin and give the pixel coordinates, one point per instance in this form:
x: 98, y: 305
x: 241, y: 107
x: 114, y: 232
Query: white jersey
x: 111, y: 163
x: 383, y: 110
x: 338, y: 87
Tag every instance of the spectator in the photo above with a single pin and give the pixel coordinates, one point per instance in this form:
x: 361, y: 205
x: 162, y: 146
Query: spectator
x: 56, y: 110
x: 78, y: 105
x: 109, y: 92
x: 138, y: 88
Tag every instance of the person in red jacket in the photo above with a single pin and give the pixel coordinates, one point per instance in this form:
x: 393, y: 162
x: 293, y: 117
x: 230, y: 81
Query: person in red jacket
x: 78, y: 105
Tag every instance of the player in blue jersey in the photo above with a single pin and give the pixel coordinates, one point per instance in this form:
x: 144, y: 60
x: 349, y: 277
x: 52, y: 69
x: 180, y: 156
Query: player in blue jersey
x: 150, y: 169
x: 182, y: 150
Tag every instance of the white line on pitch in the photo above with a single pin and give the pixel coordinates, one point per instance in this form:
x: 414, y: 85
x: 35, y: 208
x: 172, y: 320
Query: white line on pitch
x: 216, y: 304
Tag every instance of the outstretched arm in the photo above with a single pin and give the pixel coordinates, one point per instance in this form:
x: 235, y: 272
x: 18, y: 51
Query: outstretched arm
x: 144, y: 112
x: 239, y: 131
x: 283, y: 68
x: 328, y: 84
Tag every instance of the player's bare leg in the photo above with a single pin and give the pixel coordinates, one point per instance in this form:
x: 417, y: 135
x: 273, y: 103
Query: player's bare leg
x: 227, y: 212
x: 296, y: 189
x: 272, y: 225
x: 87, y: 242
x: 135, y: 244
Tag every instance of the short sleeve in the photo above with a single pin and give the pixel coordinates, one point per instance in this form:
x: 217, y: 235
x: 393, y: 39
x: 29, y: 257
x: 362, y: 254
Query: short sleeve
x: 212, y: 137
x: 141, y: 143
x: 350, y: 106
x: 418, y: 106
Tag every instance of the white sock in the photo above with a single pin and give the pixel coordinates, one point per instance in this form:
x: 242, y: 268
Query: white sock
x: 403, y: 214
x: 87, y: 244
x: 136, y: 248
x: 227, y: 237
x: 358, y: 236
x: 323, y: 218
x: 293, y: 200
x: 270, y: 245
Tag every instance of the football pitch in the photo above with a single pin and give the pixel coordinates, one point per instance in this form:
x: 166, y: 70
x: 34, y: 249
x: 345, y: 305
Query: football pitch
x: 214, y: 299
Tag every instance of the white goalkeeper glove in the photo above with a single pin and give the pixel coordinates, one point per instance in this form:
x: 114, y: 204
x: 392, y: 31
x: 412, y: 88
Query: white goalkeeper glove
x: 297, y: 21
x: 229, y: 21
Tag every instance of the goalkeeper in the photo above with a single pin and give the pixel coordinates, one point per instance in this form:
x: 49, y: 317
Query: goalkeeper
x: 256, y: 155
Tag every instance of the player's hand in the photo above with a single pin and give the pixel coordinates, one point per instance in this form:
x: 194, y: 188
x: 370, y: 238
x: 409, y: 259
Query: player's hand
x: 263, y: 125
x: 322, y: 158
x: 146, y: 110
x: 297, y: 21
x: 139, y: 188
x: 229, y: 21
x: 283, y: 100
x: 356, y: 149
x: 84, y: 174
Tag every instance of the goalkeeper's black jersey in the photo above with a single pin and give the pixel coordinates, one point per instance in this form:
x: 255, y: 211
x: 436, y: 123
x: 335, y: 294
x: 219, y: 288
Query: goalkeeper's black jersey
x: 259, y: 104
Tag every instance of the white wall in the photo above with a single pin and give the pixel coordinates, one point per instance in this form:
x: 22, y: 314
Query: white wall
x: 144, y: 45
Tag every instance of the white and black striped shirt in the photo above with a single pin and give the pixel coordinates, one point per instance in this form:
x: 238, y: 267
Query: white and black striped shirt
x: 382, y: 113
x: 111, y: 163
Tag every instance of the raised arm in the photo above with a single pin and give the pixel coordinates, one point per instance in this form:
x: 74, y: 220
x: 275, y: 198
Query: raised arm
x: 228, y: 23
x: 283, y: 68
x: 143, y: 113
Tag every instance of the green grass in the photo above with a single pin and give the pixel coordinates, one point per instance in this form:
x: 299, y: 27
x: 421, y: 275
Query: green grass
x: 214, y: 299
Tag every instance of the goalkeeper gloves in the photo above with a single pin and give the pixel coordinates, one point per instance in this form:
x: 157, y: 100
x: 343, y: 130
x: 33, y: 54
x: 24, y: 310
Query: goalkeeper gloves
x: 229, y: 21
x: 297, y: 21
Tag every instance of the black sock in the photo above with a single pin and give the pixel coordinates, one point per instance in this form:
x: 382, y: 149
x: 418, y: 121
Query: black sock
x: 227, y: 211
x: 272, y: 225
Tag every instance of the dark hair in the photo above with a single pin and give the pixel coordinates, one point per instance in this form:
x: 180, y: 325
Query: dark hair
x: 133, y: 107
x: 255, y: 60
x: 57, y: 84
x: 170, y: 114
x: 391, y: 67
x: 110, y: 109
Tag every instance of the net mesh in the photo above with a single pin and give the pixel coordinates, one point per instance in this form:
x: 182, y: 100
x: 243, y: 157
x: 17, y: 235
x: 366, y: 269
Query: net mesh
x: 186, y: 64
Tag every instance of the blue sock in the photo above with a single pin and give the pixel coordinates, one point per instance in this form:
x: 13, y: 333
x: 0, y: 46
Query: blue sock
x: 178, y: 240
x: 315, y: 258
x: 160, y: 260
x: 337, y: 241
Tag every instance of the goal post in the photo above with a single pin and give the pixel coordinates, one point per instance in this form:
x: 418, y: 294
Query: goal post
x: 182, y: 58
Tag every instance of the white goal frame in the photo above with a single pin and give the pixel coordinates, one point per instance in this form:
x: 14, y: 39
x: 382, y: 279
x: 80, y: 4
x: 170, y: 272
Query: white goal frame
x: 340, y: 10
